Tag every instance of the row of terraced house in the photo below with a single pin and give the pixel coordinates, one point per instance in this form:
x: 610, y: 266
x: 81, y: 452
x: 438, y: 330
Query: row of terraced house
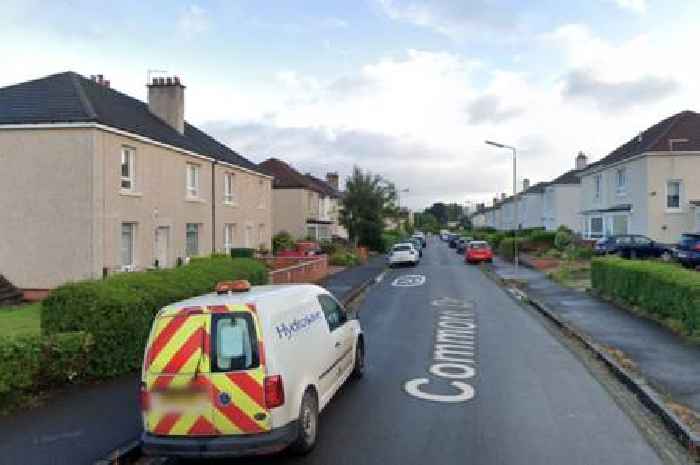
x: 650, y: 185
x: 93, y: 181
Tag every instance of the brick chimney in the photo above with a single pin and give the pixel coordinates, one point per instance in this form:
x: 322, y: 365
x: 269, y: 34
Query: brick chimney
x: 503, y: 196
x: 166, y: 100
x: 581, y: 161
x: 333, y: 180
x: 526, y: 184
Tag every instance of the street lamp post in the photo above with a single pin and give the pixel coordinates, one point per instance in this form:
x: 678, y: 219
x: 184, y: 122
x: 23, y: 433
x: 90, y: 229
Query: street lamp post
x: 515, y: 198
x: 398, y: 201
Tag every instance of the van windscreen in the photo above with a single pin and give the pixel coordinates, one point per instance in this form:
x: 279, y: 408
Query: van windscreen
x: 234, y: 344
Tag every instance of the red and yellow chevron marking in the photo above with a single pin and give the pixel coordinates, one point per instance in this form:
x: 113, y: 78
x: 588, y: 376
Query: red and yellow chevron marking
x: 178, y: 357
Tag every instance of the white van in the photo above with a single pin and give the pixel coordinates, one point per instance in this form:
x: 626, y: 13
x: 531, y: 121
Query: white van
x: 245, y: 370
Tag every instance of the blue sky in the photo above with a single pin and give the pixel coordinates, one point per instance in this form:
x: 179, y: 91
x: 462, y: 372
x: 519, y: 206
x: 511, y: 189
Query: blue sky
x: 405, y: 88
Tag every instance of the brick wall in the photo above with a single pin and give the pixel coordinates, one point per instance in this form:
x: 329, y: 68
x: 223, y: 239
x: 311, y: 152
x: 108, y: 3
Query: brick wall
x: 299, y: 269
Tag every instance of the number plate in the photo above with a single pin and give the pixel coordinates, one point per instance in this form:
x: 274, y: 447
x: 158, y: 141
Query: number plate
x: 180, y: 401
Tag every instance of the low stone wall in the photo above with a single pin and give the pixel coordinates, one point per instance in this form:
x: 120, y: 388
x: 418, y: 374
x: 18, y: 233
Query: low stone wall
x: 298, y: 269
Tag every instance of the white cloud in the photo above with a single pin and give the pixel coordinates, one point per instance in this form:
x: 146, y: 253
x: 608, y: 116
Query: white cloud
x: 636, y: 6
x: 193, y: 21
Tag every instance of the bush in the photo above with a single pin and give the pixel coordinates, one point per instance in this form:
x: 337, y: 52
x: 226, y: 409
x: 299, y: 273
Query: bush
x: 282, y: 241
x: 30, y: 362
x: 662, y: 290
x: 563, y: 238
x: 495, y: 239
x: 506, y: 248
x: 389, y: 238
x: 343, y: 258
x: 117, y: 312
x: 542, y: 239
x: 242, y: 253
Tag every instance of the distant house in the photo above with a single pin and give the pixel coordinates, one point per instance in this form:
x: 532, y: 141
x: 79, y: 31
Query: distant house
x: 562, y: 199
x: 650, y: 185
x: 531, y: 205
x: 304, y: 206
x: 93, y: 181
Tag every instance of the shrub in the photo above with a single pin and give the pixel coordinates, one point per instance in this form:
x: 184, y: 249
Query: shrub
x: 389, y: 238
x: 242, y: 253
x: 29, y: 362
x: 563, y: 238
x: 282, y: 241
x: 343, y: 258
x: 506, y: 248
x: 542, y: 239
x: 495, y: 239
x: 117, y: 312
x: 662, y: 290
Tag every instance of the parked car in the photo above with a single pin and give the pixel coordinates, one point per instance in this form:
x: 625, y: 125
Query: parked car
x: 444, y: 234
x: 221, y: 375
x: 403, y: 253
x: 417, y: 244
x: 421, y: 237
x: 452, y: 241
x: 688, y: 253
x: 633, y: 246
x: 478, y: 251
x: 462, y: 244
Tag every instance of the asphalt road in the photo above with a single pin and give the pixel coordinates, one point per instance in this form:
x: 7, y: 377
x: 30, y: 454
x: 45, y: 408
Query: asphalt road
x: 528, y: 399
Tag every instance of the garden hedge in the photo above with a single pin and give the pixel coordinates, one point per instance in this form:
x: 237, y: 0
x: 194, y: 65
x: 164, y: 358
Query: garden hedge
x: 506, y: 247
x: 117, y: 312
x: 662, y: 290
x: 28, y: 363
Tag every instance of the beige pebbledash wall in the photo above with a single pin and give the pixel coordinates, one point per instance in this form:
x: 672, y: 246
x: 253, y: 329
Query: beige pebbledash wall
x: 46, y: 198
x: 62, y: 207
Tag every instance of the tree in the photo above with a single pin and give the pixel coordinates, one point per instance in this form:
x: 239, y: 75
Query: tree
x: 439, y: 211
x: 427, y: 222
x: 368, y: 199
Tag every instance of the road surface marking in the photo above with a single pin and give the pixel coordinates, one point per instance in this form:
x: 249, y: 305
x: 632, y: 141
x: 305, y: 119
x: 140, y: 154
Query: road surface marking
x: 453, y: 355
x: 409, y: 280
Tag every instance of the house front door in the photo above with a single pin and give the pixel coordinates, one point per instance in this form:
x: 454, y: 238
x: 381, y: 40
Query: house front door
x: 161, y: 246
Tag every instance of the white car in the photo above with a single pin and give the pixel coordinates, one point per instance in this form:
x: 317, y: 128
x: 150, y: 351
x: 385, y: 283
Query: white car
x: 269, y: 359
x: 402, y: 253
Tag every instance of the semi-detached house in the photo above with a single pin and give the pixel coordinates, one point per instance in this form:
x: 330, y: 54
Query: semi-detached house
x: 93, y: 181
x: 649, y: 185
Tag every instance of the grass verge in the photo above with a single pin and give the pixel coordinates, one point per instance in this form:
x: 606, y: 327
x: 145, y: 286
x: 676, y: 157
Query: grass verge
x: 21, y: 320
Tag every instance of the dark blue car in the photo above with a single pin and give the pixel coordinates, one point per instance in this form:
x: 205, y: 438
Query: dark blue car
x: 689, y: 250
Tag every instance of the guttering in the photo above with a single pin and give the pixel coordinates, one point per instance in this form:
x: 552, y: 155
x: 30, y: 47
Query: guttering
x: 148, y: 140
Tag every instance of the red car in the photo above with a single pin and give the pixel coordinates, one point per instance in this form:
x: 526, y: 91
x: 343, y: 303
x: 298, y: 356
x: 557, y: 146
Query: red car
x: 478, y: 251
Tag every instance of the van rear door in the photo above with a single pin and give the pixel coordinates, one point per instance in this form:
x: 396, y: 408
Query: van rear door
x: 176, y: 368
x: 238, y: 371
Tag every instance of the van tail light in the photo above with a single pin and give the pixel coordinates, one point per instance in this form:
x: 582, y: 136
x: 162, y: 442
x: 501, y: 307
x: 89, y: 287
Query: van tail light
x: 274, y: 391
x: 697, y: 247
x: 144, y: 398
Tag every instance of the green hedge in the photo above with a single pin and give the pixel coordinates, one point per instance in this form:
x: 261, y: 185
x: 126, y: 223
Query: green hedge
x: 242, y: 253
x: 662, y: 290
x: 343, y: 258
x: 117, y: 312
x: 28, y: 363
x: 506, y: 247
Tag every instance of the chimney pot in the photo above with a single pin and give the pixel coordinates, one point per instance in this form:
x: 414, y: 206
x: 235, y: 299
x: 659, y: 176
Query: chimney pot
x: 526, y: 184
x: 581, y: 161
x: 166, y: 99
x: 333, y: 179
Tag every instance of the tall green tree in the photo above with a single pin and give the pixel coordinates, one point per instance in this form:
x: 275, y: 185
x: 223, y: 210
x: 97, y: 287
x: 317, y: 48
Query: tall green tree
x: 439, y: 211
x: 368, y: 199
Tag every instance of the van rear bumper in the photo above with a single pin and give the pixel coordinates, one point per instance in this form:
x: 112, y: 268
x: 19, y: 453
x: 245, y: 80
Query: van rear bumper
x: 220, y: 446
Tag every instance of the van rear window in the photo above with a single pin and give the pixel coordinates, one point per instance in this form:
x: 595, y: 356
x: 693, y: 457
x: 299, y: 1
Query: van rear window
x: 234, y: 344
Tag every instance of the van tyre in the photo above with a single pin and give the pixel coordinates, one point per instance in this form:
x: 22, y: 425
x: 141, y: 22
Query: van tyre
x: 359, y: 369
x: 308, y: 425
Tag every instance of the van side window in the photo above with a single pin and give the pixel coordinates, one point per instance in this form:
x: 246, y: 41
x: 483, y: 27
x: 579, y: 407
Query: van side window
x: 334, y: 313
x: 234, y: 345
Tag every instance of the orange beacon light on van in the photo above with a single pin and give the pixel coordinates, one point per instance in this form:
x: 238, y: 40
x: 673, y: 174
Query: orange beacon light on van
x: 240, y: 285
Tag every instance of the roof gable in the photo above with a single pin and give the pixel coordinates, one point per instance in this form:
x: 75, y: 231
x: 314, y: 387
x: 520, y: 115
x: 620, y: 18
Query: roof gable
x: 287, y: 177
x: 71, y: 98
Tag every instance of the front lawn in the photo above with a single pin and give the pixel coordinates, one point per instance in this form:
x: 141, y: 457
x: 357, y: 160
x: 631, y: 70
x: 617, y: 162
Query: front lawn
x: 20, y: 320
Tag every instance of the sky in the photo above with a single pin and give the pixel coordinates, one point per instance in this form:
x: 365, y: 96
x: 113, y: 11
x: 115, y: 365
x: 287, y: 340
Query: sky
x: 406, y: 89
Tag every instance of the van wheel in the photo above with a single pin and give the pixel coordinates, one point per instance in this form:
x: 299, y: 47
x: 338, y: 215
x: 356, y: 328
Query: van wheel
x: 359, y: 368
x: 308, y: 425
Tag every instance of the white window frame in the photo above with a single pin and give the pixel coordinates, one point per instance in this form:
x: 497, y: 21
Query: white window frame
x: 192, y: 180
x: 229, y: 183
x: 130, y: 154
x: 679, y: 208
x: 597, y: 188
x: 229, y: 236
x: 132, y: 265
x: 198, y: 230
x: 621, y: 181
x: 261, y: 198
x: 591, y: 233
